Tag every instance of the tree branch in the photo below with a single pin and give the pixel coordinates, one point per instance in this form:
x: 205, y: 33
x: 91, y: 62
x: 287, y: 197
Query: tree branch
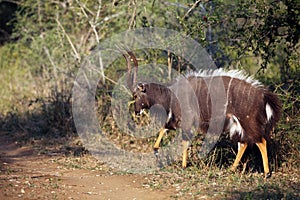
x: 191, y: 9
x: 69, y: 39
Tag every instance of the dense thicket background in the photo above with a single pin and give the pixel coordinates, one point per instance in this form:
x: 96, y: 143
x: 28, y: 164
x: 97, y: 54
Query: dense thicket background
x: 43, y: 44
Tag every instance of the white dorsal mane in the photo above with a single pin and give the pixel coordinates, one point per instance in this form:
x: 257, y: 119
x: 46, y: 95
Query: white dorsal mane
x: 238, y: 74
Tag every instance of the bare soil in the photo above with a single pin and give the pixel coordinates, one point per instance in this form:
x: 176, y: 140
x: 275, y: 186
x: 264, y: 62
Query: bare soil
x: 49, y: 168
x: 28, y: 174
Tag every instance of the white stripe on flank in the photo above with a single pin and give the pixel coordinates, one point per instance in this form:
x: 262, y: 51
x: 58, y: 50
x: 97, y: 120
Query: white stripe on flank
x: 208, y: 95
x: 269, y: 112
x: 227, y: 95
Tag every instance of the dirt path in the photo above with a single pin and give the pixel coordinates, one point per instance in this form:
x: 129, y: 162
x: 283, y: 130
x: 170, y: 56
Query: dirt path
x: 28, y: 175
x: 45, y: 169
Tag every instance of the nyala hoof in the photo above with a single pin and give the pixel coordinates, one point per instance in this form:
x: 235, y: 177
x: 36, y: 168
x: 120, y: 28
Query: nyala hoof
x: 155, y: 151
x: 268, y: 175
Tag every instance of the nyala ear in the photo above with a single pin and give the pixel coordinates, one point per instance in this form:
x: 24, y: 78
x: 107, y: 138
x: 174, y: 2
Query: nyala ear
x: 141, y: 87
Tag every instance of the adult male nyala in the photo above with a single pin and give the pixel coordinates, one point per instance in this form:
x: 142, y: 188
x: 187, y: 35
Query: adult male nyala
x: 250, y: 109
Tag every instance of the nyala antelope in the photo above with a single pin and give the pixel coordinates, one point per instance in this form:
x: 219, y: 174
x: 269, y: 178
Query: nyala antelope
x: 250, y: 115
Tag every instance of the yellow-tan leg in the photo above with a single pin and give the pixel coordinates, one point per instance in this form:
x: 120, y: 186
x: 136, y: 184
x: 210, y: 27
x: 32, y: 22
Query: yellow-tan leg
x: 158, y: 140
x: 241, y: 151
x: 185, y: 146
x: 263, y: 150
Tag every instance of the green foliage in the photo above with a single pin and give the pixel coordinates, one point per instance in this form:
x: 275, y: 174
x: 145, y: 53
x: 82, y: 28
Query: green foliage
x: 269, y: 30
